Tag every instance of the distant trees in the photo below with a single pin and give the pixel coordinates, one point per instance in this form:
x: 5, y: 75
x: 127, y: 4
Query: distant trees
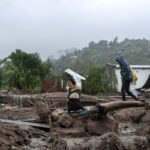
x: 99, y: 54
x: 91, y: 44
x: 103, y: 45
x: 25, y: 71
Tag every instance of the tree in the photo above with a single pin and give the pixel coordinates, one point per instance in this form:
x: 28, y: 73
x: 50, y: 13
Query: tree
x: 47, y: 66
x: 96, y: 82
x: 25, y: 71
x: 102, y: 45
x: 91, y: 44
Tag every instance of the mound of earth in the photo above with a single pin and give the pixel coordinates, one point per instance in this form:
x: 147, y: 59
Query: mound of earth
x: 12, y: 137
x: 136, y: 114
x: 18, y: 113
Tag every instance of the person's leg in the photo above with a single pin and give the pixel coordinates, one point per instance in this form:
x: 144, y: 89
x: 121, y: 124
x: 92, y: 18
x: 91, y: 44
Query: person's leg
x: 123, y: 91
x: 127, y: 87
x: 68, y: 108
x: 78, y: 106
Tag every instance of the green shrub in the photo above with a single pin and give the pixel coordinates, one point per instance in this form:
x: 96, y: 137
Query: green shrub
x: 97, y: 82
x: 36, y: 90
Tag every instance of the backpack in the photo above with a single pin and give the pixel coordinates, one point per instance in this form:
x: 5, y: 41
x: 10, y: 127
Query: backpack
x: 134, y: 77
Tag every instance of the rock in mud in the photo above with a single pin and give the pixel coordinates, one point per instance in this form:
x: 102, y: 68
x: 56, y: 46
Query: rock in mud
x: 59, y: 144
x: 42, y: 110
x: 102, y: 126
x: 144, y: 130
x: 56, y: 113
x: 130, y: 114
x: 134, y: 142
x: 65, y: 121
x: 146, y: 118
x: 12, y: 136
x: 109, y: 141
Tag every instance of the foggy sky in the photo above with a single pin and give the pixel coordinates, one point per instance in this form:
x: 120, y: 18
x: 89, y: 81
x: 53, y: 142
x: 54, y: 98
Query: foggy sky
x: 46, y: 26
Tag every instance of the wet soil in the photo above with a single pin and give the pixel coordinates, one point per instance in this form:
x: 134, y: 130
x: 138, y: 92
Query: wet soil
x: 15, y: 113
x: 15, y: 137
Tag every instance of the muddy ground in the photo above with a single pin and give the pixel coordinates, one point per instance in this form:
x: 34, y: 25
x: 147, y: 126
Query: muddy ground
x: 77, y: 137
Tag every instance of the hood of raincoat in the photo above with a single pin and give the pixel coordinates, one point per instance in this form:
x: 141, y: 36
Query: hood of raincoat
x: 125, y: 68
x: 121, y: 60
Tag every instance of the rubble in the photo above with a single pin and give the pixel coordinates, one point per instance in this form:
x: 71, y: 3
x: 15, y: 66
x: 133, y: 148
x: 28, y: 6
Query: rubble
x: 42, y: 110
x: 109, y: 141
x: 121, y: 129
x: 65, y: 121
x: 102, y: 126
x: 144, y: 130
x: 16, y: 113
x: 12, y: 136
x: 130, y: 114
x: 134, y: 142
x: 56, y: 113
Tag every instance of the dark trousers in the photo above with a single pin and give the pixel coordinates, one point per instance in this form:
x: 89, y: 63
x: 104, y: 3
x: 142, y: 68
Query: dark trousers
x: 74, y: 105
x: 125, y: 89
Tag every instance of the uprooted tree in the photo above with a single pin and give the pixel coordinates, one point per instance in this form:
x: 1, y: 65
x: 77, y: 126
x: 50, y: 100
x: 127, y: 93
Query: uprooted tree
x: 95, y: 122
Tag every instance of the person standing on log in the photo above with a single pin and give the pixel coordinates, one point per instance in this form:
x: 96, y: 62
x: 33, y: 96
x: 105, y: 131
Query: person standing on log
x: 74, y: 93
x: 126, y: 77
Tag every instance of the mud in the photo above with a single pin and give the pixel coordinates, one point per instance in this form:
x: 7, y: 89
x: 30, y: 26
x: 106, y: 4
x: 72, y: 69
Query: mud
x: 115, y: 132
x: 58, y: 99
x: 130, y: 114
x: 15, y: 113
x: 12, y: 136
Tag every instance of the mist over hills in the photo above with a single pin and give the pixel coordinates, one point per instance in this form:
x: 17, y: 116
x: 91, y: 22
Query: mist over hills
x: 135, y: 51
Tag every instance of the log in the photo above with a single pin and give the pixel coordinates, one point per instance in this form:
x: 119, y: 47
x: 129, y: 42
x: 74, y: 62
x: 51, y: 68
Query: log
x: 104, y: 108
x: 17, y: 122
x: 118, y: 96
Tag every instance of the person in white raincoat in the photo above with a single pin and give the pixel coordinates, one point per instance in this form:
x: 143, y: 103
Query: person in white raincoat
x: 75, y: 87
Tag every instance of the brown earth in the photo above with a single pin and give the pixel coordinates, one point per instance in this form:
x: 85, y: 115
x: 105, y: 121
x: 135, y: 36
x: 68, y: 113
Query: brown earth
x: 12, y: 137
x: 15, y: 137
x: 130, y: 114
x: 15, y: 113
x: 87, y: 132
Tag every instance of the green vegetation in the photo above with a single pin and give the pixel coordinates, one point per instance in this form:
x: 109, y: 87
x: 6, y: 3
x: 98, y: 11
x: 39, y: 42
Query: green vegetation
x: 27, y: 72
x: 97, y: 55
x: 103, y: 52
x: 97, y: 82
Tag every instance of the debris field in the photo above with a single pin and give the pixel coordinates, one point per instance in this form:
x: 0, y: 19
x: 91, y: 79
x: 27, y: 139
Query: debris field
x: 40, y: 122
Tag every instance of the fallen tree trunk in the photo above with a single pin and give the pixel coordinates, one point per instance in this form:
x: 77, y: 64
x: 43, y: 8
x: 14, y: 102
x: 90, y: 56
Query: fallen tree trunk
x: 106, y: 107
x: 102, y: 108
x: 95, y: 121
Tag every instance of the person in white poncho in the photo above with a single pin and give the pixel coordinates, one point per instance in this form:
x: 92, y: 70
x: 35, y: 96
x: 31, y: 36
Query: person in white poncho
x: 74, y: 93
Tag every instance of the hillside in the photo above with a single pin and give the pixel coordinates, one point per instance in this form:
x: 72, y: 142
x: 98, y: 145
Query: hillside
x: 99, y: 54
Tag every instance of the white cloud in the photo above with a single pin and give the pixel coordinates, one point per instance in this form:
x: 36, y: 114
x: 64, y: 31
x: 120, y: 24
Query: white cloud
x: 45, y: 26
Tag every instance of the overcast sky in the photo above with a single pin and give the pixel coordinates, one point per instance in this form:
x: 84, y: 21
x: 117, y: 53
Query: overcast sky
x: 46, y: 26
